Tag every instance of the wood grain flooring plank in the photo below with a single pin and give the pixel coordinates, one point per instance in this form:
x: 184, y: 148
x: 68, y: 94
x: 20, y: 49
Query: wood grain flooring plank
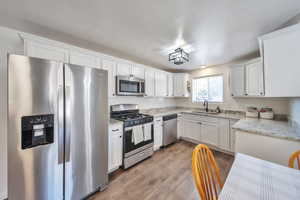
x: 167, y: 175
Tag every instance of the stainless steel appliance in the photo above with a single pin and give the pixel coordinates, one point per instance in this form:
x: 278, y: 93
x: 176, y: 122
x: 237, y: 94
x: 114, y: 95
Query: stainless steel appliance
x: 57, y: 136
x: 130, y: 86
x: 169, y: 129
x: 129, y: 114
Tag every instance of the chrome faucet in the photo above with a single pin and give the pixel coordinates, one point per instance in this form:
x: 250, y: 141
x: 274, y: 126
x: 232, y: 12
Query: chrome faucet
x: 205, y: 104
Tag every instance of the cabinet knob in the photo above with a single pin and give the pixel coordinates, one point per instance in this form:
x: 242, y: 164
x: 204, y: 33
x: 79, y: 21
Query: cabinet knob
x: 232, y: 95
x: 120, y: 136
x: 246, y: 94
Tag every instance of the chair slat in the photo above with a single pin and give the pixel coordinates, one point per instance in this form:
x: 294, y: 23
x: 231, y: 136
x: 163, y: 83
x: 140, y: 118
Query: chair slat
x: 206, y: 173
x: 295, y: 156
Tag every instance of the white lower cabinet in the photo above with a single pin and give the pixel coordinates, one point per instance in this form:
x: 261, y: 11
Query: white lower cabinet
x: 180, y: 127
x: 212, y: 131
x: 192, y: 130
x: 115, y: 147
x: 224, y: 134
x: 232, y: 135
x: 158, y: 133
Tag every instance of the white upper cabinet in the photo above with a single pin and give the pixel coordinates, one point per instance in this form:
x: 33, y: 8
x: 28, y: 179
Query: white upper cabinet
x: 170, y: 85
x: 129, y: 69
x: 280, y: 51
x: 149, y: 82
x: 161, y: 84
x: 247, y: 79
x: 45, y: 51
x: 237, y: 80
x: 254, y: 78
x: 110, y: 66
x: 124, y: 69
x: 84, y: 59
x: 180, y: 84
x: 138, y: 71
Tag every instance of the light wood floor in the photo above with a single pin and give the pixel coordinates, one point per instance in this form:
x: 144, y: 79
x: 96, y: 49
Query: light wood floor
x: 166, y: 175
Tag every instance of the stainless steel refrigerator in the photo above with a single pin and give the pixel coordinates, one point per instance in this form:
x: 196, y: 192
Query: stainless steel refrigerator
x: 57, y: 136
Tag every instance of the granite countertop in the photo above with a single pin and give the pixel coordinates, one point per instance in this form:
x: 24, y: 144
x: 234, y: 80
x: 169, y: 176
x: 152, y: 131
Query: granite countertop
x: 236, y: 116
x: 272, y: 128
x: 175, y: 110
x: 158, y: 112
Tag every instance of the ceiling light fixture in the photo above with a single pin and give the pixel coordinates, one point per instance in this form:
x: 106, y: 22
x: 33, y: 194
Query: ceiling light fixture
x: 179, y: 56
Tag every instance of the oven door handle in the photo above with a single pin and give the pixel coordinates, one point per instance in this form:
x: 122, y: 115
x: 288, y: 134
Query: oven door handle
x: 130, y: 128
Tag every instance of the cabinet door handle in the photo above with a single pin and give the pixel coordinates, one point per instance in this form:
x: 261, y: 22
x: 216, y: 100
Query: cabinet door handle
x: 120, y: 136
x: 115, y: 130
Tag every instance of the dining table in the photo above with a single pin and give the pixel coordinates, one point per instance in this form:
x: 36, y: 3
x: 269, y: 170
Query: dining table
x: 255, y: 179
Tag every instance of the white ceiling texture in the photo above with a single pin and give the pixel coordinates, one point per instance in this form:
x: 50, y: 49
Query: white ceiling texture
x: 213, y: 31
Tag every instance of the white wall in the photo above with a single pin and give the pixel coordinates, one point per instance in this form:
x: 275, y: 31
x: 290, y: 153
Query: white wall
x: 294, y: 107
x: 144, y: 103
x: 280, y: 105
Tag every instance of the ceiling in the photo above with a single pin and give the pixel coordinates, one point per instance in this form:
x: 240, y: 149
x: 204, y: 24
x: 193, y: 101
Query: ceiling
x: 219, y: 31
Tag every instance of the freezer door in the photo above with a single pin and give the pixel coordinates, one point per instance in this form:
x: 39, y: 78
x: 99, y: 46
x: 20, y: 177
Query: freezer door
x: 35, y: 159
x: 86, y: 100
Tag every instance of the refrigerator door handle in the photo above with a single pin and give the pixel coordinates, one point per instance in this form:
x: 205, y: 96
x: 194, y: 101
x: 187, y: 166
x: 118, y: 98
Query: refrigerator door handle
x: 68, y: 123
x: 60, y: 124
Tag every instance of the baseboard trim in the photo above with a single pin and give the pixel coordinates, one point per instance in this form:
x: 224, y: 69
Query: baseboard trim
x: 209, y: 145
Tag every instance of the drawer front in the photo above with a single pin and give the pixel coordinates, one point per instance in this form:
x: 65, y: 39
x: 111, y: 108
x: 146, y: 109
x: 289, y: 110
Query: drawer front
x: 201, y: 118
x: 116, y: 129
x: 158, y: 121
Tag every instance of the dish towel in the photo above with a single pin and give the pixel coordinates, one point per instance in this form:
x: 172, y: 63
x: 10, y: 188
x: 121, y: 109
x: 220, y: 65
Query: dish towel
x: 147, y: 131
x: 137, y: 134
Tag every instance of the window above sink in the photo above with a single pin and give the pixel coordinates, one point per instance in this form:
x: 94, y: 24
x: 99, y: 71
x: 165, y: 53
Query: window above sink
x: 209, y: 88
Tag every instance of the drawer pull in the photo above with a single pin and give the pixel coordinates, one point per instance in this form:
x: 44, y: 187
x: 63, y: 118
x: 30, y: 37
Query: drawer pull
x: 115, y: 130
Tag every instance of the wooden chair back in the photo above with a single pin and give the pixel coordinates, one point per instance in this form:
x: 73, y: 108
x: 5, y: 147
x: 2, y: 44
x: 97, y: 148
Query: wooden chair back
x: 206, y: 173
x: 295, y: 157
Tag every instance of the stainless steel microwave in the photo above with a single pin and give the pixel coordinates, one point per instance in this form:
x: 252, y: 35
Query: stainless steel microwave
x: 130, y: 86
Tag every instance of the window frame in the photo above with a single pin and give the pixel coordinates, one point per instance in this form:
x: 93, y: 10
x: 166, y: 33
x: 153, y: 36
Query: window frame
x: 207, y: 76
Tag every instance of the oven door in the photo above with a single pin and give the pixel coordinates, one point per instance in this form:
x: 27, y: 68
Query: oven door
x: 130, y: 148
x: 130, y: 86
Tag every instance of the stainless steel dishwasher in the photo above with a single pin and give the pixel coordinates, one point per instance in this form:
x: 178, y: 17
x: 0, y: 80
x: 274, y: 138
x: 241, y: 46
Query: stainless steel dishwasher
x: 169, y: 129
